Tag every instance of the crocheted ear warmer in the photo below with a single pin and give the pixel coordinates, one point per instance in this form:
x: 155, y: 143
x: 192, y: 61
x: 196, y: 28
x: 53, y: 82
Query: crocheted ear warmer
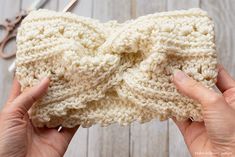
x: 111, y: 72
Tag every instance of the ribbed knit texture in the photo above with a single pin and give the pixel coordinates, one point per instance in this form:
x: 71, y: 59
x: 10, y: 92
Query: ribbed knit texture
x: 111, y: 72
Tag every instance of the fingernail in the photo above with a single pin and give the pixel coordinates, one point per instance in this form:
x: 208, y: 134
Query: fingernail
x: 44, y: 80
x: 179, y: 75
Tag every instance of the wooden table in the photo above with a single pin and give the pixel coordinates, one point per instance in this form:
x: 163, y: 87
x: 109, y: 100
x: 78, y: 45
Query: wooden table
x: 153, y: 139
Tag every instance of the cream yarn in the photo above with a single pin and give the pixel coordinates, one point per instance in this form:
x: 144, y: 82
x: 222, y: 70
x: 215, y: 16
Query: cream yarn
x: 111, y: 72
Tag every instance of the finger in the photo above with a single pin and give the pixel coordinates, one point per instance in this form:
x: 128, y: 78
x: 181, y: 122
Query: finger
x: 23, y: 102
x: 196, y: 90
x: 68, y: 133
x: 224, y: 80
x: 190, y: 130
x: 15, y: 91
x: 182, y: 125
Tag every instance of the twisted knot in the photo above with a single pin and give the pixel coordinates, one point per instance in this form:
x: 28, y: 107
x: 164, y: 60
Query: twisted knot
x: 111, y: 72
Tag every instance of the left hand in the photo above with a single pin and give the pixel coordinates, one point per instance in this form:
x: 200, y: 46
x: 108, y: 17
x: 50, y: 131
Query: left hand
x: 18, y: 137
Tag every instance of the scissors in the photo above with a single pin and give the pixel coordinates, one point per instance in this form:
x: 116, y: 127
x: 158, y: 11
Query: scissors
x: 9, y: 28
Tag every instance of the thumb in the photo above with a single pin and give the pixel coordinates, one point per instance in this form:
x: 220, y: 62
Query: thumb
x: 23, y: 103
x: 195, y: 90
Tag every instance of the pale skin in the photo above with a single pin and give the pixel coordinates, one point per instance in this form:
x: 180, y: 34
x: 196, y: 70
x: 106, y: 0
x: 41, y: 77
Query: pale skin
x: 19, y: 138
x: 213, y: 137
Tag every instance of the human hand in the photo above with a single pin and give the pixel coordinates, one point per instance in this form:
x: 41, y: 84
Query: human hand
x: 18, y: 137
x: 216, y: 135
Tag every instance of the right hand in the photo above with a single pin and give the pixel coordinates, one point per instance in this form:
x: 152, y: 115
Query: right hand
x: 216, y: 135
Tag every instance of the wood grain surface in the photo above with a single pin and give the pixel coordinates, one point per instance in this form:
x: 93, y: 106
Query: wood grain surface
x: 153, y: 139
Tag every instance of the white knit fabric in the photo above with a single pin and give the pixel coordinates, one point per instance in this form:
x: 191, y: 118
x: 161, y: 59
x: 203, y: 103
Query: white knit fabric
x: 111, y: 72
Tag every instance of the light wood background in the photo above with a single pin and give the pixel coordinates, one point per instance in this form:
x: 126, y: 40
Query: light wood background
x: 153, y: 139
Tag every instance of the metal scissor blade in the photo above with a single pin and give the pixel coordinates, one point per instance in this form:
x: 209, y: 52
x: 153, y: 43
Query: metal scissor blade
x: 36, y: 4
x: 70, y: 5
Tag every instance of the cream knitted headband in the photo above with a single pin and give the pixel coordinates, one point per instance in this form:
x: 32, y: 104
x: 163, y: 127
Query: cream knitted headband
x: 110, y: 72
